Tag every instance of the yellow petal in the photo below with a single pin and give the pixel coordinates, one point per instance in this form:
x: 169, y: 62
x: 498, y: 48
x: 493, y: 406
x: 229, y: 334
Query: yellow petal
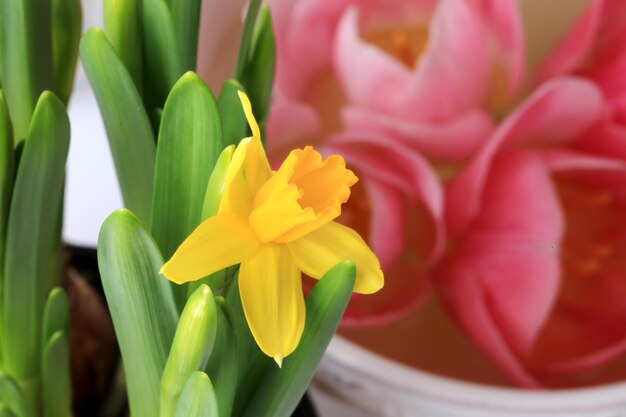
x: 219, y: 242
x: 332, y: 243
x: 270, y: 287
x: 247, y: 109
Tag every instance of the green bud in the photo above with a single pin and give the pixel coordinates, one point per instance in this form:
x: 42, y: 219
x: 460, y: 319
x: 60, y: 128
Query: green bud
x: 191, y: 348
x: 198, y: 397
x: 215, y: 187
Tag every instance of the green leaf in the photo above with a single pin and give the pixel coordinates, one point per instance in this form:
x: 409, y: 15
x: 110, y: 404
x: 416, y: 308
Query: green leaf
x: 280, y: 390
x: 186, y: 19
x: 222, y: 366
x: 33, y: 237
x: 6, y: 176
x: 56, y: 381
x: 215, y: 187
x: 191, y: 348
x: 12, y: 397
x: 27, y: 57
x: 6, y: 411
x: 246, y: 38
x: 141, y: 304
x: 56, y: 315
x: 190, y: 141
x: 163, y: 66
x: 198, y: 398
x: 234, y: 123
x: 128, y: 127
x: 123, y: 28
x: 259, y: 76
x: 66, y: 28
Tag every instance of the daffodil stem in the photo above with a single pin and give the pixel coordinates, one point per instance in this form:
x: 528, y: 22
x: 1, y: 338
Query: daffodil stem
x: 246, y: 37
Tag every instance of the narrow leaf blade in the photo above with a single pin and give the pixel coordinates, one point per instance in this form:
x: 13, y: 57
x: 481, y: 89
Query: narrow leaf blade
x: 141, y: 304
x: 27, y: 57
x: 234, y: 124
x: 186, y: 19
x: 222, y: 367
x: 259, y: 77
x: 163, y: 65
x: 128, y: 127
x: 190, y: 141
x: 56, y: 381
x: 33, y: 239
x: 66, y: 28
x: 123, y: 28
x: 12, y: 397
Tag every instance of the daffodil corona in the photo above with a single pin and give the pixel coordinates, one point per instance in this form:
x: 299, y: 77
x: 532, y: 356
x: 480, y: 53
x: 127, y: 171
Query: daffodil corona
x: 277, y: 225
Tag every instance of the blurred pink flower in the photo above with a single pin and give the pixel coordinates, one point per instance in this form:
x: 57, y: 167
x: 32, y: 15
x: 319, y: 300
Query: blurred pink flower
x: 537, y: 275
x: 406, y: 92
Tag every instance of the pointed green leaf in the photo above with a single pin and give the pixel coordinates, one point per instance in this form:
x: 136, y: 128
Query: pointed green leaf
x: 32, y: 236
x: 186, y: 19
x: 259, y: 76
x: 66, y: 29
x: 56, y: 315
x: 6, y: 176
x: 191, y: 348
x: 234, y: 124
x: 12, y: 397
x: 163, y: 66
x: 222, y: 366
x: 128, y: 127
x: 281, y: 389
x: 27, y: 57
x: 215, y: 187
x: 123, y: 28
x: 56, y: 381
x: 246, y: 39
x: 141, y: 304
x: 190, y: 141
x: 5, y: 411
x: 198, y: 398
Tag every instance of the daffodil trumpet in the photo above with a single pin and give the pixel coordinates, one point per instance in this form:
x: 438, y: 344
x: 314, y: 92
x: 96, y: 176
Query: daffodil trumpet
x: 277, y: 224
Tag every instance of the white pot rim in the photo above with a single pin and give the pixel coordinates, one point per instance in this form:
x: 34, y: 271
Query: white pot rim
x: 401, y: 380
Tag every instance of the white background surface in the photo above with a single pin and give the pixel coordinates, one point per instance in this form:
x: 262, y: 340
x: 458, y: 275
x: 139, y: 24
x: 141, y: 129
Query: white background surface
x: 91, y: 191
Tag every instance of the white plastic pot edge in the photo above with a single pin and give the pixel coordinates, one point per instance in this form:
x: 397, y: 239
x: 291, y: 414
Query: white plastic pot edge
x: 358, y: 372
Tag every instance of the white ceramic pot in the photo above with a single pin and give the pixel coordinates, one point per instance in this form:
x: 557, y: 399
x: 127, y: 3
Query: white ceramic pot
x: 362, y: 383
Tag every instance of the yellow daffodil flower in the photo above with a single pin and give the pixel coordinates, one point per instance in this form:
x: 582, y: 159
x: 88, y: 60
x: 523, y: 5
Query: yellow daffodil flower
x: 277, y: 225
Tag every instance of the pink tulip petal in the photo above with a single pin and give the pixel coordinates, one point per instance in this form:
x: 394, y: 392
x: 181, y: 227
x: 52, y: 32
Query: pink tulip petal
x: 376, y: 14
x: 588, y: 325
x: 605, y: 138
x: 452, y: 141
x: 461, y: 292
x: 504, y: 18
x: 510, y: 255
x: 576, y: 45
x: 555, y: 113
x: 443, y: 91
x: 369, y: 77
x: 304, y: 36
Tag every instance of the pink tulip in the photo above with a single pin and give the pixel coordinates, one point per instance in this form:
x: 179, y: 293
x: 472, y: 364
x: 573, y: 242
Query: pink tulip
x: 406, y: 96
x: 537, y: 274
x: 508, y: 220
